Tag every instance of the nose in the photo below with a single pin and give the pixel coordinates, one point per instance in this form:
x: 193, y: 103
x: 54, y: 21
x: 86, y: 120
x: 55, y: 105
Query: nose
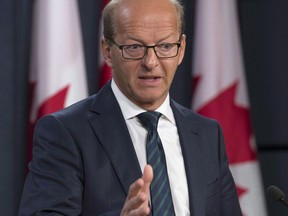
x: 150, y: 60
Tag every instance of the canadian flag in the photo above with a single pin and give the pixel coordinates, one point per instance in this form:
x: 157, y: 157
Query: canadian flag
x: 105, y: 70
x: 220, y: 92
x: 57, y: 75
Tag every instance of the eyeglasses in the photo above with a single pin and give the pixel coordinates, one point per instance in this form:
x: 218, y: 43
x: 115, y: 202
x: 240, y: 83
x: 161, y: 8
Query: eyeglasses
x: 138, y: 51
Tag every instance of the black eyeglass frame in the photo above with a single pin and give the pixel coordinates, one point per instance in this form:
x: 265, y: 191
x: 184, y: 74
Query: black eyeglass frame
x: 121, y: 47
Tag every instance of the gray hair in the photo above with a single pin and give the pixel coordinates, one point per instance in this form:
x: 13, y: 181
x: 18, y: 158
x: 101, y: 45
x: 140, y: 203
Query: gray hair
x: 109, y: 24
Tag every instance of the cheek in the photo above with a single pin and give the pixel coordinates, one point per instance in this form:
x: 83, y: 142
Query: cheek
x: 124, y: 73
x: 170, y: 71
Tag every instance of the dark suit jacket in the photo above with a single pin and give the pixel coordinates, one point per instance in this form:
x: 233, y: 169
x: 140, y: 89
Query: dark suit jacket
x: 84, y: 162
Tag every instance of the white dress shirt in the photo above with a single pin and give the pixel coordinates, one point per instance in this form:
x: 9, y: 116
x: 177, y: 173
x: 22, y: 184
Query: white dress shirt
x: 168, y: 133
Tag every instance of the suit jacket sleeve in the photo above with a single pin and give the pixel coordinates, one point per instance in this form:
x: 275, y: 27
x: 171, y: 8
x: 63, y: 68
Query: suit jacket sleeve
x: 55, y: 182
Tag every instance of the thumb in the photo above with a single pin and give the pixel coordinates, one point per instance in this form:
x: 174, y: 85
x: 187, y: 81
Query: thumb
x: 147, y: 176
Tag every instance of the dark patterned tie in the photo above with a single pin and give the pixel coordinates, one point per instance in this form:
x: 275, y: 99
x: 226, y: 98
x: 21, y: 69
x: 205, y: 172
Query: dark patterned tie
x: 160, y: 193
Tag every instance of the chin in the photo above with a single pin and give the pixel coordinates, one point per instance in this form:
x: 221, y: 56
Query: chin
x: 151, y: 101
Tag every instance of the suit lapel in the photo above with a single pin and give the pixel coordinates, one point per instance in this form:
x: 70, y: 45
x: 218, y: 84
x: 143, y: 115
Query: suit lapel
x: 109, y: 126
x: 193, y: 158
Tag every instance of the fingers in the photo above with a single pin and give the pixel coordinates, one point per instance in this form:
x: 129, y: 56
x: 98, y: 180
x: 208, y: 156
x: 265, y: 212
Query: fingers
x: 137, y: 200
x: 142, y: 184
x: 135, y: 188
x: 138, y: 205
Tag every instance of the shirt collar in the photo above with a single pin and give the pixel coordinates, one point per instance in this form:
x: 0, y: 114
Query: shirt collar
x: 130, y: 110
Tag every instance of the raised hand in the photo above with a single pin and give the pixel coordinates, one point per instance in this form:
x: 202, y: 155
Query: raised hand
x: 137, y: 200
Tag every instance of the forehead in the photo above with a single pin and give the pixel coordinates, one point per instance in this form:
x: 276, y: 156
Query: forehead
x: 145, y: 16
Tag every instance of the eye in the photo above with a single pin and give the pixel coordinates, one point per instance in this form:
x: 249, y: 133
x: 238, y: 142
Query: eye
x: 133, y: 47
x: 165, y: 47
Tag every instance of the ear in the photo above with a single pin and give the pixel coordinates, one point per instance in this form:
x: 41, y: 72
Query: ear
x: 182, y: 49
x: 106, y: 51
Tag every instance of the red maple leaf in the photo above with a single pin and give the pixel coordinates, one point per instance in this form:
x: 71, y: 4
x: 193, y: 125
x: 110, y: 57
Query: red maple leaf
x: 236, y: 124
x: 241, y: 192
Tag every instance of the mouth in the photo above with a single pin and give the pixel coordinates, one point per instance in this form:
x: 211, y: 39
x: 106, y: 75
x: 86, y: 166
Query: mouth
x: 150, y: 81
x: 150, y: 78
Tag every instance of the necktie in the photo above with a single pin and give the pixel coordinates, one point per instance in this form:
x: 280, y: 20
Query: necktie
x: 160, y: 193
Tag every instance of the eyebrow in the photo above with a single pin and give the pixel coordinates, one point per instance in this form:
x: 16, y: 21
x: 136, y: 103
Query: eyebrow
x: 158, y: 42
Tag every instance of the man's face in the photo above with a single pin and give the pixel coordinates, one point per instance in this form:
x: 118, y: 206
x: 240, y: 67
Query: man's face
x: 145, y: 82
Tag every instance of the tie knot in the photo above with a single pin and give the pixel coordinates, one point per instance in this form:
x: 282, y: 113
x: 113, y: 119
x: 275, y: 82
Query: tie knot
x: 149, y: 120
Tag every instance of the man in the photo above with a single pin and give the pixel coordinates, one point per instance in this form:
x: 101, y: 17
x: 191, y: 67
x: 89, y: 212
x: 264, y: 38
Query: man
x: 90, y: 159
